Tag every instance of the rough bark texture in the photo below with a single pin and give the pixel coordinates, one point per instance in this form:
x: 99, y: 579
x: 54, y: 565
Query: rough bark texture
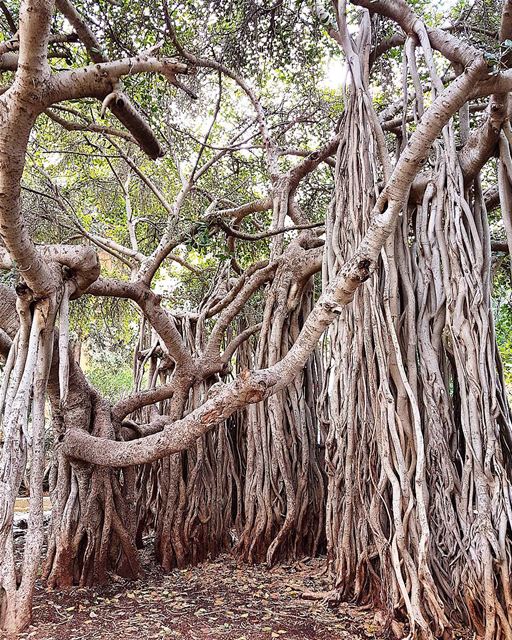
x: 190, y: 500
x: 284, y: 483
x: 418, y: 403
x: 225, y: 442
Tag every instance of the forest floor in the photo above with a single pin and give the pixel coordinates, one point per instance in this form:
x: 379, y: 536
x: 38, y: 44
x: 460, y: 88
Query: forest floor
x: 217, y: 600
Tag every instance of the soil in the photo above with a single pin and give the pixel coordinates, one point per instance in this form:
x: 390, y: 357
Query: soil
x: 218, y: 600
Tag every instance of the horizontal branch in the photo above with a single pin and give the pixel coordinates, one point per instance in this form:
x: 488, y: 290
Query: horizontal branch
x: 135, y: 401
x: 122, y: 108
x: 97, y: 80
x: 453, y: 49
x: 100, y: 81
x: 238, y: 213
x: 82, y: 262
x: 92, y: 127
x: 59, y: 38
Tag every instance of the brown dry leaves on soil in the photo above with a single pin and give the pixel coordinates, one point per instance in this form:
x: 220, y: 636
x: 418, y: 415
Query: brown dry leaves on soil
x: 218, y: 600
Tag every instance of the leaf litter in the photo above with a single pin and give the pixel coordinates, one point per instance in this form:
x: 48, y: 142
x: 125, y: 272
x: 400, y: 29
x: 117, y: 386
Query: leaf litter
x: 219, y: 599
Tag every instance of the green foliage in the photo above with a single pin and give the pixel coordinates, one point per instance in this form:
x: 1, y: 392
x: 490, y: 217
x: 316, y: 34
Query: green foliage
x: 111, y: 376
x: 502, y: 311
x: 283, y: 50
x: 504, y: 338
x: 7, y: 278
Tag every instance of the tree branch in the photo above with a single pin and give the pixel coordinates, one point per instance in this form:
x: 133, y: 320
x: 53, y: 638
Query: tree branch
x: 99, y: 81
x: 158, y: 317
x: 122, y: 108
x: 452, y: 48
x: 89, y: 126
x: 251, y: 387
x: 264, y: 234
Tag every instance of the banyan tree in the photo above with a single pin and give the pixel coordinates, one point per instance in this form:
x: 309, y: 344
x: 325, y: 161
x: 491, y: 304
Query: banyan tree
x: 290, y: 226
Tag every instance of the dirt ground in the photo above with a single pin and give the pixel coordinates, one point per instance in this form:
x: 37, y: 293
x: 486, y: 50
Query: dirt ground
x: 217, y: 600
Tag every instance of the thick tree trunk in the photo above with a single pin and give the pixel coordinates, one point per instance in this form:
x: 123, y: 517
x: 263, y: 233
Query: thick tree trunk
x: 23, y: 395
x: 418, y: 517
x: 190, y: 500
x: 92, y: 533
x: 284, y: 482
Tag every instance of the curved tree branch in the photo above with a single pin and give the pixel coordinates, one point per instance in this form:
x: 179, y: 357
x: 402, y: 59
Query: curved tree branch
x: 254, y: 386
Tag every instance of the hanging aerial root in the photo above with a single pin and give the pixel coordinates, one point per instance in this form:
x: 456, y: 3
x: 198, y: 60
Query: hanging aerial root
x: 419, y: 513
x: 24, y: 401
x: 64, y: 343
x: 22, y: 409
